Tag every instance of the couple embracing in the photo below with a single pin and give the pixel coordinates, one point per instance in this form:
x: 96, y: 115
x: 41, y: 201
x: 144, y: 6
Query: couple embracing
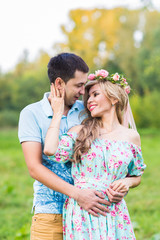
x: 82, y: 157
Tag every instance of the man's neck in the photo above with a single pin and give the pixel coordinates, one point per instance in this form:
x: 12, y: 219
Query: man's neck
x: 66, y: 110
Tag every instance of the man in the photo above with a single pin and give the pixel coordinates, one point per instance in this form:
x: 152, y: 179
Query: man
x: 53, y: 180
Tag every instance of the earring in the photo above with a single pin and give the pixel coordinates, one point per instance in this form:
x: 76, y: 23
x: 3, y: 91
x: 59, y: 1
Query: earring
x: 112, y: 105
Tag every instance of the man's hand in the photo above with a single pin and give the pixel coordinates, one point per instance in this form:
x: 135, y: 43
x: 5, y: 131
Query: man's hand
x: 92, y: 200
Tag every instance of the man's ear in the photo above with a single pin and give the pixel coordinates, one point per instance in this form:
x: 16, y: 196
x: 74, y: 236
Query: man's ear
x: 59, y: 83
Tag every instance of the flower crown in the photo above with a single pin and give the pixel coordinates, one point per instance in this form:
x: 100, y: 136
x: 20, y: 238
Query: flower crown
x: 114, y: 78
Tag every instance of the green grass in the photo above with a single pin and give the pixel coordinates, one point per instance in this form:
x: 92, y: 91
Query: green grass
x: 16, y: 192
x: 144, y: 201
x: 15, y: 189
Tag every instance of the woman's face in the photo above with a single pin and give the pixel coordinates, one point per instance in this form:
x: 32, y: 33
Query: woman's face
x: 98, y: 104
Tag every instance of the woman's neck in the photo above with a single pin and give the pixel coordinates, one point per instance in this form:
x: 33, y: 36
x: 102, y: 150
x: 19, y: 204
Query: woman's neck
x: 110, y: 122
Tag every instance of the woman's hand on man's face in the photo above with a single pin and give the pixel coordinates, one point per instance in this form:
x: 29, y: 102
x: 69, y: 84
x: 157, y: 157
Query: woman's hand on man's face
x: 56, y: 99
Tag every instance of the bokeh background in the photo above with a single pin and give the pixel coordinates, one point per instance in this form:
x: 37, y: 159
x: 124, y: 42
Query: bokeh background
x: 120, y: 36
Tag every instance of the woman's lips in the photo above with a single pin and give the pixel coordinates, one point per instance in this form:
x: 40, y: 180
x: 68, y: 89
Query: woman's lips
x: 91, y: 107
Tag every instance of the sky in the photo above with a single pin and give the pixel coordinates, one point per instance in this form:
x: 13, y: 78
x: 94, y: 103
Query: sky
x: 34, y: 25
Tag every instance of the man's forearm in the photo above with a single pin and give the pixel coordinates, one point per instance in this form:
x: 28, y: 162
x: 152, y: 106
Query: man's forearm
x: 52, y: 181
x: 88, y: 199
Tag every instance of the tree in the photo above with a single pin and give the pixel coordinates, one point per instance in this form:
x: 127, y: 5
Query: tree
x: 113, y: 39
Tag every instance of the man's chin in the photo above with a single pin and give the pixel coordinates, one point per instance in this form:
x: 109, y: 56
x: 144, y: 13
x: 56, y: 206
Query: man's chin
x: 73, y: 102
x: 75, y: 99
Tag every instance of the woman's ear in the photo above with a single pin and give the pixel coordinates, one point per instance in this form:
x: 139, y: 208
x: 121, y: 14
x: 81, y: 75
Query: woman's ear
x: 114, y: 101
x: 59, y: 83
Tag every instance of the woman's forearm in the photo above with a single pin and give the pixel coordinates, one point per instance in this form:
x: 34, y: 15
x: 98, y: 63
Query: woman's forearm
x: 123, y: 185
x: 52, y: 136
x: 56, y: 100
x: 133, y: 181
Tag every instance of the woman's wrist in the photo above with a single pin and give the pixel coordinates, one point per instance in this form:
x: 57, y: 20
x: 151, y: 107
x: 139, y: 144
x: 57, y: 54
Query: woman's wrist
x: 57, y: 117
x: 129, y: 182
x: 55, y: 122
x: 53, y: 127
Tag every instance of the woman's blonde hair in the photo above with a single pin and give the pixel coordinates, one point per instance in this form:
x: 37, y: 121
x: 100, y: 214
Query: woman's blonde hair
x: 90, y: 129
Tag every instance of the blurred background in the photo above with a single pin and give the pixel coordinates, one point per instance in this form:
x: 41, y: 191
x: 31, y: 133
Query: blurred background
x: 119, y: 36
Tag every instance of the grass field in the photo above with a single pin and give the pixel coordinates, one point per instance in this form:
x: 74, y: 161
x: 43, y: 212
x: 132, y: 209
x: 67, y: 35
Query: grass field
x: 16, y: 190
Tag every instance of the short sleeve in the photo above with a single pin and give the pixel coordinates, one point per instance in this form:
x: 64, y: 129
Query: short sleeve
x: 28, y: 127
x: 65, y: 148
x: 136, y: 166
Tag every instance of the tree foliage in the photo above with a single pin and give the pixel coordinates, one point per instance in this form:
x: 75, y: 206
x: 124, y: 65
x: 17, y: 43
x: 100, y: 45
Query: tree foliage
x: 118, y: 40
x: 25, y: 84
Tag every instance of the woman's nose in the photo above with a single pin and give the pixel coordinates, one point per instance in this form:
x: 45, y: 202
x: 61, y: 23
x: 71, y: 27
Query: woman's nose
x: 89, y: 100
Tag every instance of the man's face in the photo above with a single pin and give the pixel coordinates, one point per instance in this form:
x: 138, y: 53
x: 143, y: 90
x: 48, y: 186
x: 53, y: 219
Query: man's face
x: 74, y: 88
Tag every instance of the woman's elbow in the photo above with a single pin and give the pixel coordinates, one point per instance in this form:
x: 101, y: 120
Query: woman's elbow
x: 139, y: 180
x: 48, y: 152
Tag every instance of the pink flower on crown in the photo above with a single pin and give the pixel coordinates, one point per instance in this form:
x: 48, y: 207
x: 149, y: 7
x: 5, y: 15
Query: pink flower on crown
x: 127, y: 89
x: 113, y: 78
x: 91, y: 76
x: 116, y: 77
x: 102, y: 73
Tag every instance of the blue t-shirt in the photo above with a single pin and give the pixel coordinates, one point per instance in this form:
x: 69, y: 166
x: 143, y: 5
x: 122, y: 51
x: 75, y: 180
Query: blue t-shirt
x: 33, y: 125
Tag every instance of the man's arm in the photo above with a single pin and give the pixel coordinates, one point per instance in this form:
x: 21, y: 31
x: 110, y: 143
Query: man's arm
x: 89, y: 199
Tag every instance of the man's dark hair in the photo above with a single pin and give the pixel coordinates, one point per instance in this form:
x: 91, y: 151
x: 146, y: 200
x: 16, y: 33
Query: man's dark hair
x: 64, y: 65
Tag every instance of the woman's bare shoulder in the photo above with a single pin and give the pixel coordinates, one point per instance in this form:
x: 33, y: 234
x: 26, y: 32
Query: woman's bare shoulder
x: 76, y: 128
x: 134, y: 137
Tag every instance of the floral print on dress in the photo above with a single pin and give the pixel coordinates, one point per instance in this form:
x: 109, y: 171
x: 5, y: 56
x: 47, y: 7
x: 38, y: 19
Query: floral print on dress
x: 105, y: 162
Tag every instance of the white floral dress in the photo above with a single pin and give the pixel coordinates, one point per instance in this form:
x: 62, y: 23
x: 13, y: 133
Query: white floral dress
x: 105, y: 162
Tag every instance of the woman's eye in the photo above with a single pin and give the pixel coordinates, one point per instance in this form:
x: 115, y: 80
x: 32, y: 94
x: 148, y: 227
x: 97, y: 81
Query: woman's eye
x: 95, y: 94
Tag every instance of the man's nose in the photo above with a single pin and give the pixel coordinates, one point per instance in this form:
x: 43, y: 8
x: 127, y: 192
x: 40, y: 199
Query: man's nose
x: 82, y: 91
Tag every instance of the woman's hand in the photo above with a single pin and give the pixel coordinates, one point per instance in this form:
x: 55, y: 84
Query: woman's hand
x: 117, y: 190
x: 56, y: 99
x: 121, y: 185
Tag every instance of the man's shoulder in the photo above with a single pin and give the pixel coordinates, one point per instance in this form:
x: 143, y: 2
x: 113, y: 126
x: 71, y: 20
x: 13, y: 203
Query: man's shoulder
x: 29, y: 123
x: 32, y: 107
x: 32, y: 112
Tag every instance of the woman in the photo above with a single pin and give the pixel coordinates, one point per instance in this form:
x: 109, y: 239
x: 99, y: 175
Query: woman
x: 105, y: 155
